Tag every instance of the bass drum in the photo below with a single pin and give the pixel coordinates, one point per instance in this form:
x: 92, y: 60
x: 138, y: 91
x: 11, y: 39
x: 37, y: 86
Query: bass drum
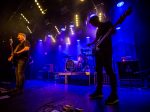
x: 70, y: 65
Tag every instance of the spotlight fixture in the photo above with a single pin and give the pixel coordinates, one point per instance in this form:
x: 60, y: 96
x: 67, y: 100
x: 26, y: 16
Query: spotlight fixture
x: 120, y: 4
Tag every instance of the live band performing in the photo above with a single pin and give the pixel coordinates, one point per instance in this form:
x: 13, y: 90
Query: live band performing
x: 74, y: 56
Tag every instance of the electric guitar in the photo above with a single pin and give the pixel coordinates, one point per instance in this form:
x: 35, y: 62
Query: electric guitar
x: 120, y: 20
x: 14, y: 57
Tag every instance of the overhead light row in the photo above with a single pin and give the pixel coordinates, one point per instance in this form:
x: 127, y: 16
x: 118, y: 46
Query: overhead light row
x: 77, y: 20
x: 29, y: 29
x: 39, y: 6
x: 25, y: 18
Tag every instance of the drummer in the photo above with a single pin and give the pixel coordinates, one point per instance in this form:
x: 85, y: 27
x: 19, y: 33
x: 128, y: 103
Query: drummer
x: 80, y: 58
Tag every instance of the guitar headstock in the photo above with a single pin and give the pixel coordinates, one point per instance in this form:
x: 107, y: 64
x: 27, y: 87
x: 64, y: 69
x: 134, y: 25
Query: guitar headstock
x: 126, y: 13
x: 10, y: 41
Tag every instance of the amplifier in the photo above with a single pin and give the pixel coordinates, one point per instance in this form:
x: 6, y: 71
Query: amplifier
x: 127, y: 68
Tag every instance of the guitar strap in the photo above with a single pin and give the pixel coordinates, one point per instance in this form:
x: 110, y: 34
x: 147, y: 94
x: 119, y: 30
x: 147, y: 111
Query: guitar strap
x: 101, y: 39
x: 16, y: 48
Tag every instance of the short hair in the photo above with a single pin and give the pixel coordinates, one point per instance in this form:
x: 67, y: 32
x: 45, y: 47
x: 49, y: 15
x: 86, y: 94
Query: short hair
x: 94, y: 18
x: 23, y: 34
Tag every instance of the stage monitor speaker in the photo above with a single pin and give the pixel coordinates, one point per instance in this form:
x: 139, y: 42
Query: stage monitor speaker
x: 127, y: 68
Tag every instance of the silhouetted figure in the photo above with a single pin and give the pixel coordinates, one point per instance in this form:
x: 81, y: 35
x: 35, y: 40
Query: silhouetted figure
x: 20, y: 57
x: 103, y: 58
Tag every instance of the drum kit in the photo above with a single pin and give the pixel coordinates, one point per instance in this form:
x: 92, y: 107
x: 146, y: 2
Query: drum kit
x: 81, y: 64
x: 74, y: 66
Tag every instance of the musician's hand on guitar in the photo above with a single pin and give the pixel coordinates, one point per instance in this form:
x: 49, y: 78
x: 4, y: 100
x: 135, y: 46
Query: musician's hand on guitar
x: 10, y: 58
x: 16, y: 53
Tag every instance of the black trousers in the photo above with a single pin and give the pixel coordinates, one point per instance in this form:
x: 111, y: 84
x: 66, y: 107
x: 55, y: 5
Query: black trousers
x: 105, y: 60
x: 19, y: 71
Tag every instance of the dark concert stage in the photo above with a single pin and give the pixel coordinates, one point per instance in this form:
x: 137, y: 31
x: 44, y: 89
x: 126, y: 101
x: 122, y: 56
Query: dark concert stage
x: 54, y: 95
x: 61, y: 70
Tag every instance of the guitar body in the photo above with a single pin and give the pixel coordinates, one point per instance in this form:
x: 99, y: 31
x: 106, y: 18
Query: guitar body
x: 95, y: 49
x: 14, y: 56
x: 15, y: 60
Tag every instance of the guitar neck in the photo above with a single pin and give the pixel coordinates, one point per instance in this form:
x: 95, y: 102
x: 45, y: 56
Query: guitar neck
x: 100, y: 40
x: 120, y: 20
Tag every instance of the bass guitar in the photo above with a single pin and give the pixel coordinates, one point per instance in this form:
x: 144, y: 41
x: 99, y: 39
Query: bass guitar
x: 120, y: 20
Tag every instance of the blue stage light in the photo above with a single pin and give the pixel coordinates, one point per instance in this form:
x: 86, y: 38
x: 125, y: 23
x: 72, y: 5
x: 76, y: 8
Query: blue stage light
x: 120, y: 4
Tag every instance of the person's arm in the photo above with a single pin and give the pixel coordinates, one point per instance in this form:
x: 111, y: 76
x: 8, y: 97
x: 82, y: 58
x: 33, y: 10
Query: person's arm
x: 95, y: 40
x: 89, y: 44
x: 12, y: 54
x: 26, y: 48
x: 10, y: 58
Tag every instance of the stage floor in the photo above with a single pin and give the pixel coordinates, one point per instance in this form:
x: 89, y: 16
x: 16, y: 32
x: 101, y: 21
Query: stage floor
x: 47, y: 96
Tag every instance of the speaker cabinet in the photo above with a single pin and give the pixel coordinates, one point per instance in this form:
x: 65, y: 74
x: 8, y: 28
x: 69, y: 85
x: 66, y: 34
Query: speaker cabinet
x: 127, y: 68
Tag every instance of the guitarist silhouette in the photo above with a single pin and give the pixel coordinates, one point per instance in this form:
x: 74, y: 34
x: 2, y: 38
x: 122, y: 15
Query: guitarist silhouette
x: 22, y: 53
x: 103, y: 56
